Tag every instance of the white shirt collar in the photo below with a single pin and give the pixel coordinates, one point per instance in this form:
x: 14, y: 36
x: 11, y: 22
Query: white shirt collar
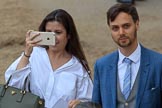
x: 135, y: 56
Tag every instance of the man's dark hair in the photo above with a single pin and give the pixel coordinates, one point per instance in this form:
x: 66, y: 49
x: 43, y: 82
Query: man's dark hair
x: 114, y: 11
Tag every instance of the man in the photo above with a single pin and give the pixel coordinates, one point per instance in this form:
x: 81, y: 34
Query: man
x: 119, y: 84
x: 126, y: 1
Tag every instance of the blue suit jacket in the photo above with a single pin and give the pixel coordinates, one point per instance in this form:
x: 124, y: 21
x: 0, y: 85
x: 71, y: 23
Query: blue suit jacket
x: 149, y: 93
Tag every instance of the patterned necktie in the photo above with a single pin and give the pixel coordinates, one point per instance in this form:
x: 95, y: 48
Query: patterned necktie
x: 127, y: 79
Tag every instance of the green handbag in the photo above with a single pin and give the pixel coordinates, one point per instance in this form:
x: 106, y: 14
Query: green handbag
x: 11, y: 97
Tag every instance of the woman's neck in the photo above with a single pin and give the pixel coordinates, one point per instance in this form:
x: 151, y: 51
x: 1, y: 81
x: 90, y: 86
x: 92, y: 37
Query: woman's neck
x: 61, y: 57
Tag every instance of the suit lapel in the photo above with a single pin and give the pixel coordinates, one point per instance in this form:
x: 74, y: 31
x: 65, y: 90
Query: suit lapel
x: 113, y: 77
x: 144, y: 70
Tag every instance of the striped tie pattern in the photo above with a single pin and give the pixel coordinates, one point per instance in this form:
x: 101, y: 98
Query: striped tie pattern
x: 127, y: 79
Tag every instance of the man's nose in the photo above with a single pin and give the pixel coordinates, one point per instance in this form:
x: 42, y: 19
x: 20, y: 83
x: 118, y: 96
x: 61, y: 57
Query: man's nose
x: 121, y: 31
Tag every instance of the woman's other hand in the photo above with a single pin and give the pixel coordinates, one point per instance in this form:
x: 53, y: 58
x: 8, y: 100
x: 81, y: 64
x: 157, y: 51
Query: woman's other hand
x: 73, y: 103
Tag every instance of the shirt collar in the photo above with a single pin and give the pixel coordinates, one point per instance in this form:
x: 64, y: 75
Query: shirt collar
x: 135, y: 56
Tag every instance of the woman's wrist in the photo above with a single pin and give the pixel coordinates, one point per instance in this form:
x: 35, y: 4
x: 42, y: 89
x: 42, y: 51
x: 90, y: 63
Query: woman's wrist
x: 28, y: 56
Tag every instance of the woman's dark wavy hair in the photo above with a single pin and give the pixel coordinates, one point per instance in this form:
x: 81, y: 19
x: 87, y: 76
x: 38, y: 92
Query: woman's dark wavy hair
x: 73, y: 45
x: 114, y: 11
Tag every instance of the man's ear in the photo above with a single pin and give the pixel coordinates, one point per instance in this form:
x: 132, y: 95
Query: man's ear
x: 137, y: 24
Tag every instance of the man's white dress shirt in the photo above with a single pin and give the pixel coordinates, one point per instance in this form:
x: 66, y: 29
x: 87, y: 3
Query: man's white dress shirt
x: 135, y: 57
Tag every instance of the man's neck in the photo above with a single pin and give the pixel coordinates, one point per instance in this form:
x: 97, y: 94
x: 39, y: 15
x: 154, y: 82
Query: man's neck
x: 127, y: 51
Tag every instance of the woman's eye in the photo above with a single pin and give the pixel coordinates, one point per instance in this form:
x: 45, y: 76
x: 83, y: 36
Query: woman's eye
x: 58, y: 32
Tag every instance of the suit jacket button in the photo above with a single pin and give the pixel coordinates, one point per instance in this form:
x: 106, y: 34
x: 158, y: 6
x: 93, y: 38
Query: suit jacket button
x: 126, y: 104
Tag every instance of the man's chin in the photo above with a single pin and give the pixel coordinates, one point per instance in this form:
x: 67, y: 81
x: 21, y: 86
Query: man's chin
x: 123, y: 45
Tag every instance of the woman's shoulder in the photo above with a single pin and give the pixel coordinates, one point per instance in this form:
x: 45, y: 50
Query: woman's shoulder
x: 77, y: 68
x: 38, y: 50
x: 37, y: 53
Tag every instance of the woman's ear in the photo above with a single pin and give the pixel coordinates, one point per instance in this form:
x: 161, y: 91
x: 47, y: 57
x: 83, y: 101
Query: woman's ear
x: 68, y: 36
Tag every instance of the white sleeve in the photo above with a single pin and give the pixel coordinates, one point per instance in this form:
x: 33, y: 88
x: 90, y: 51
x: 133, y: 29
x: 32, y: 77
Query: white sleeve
x: 84, y: 89
x: 18, y: 76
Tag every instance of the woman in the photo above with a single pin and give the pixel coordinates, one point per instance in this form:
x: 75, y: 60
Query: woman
x: 57, y: 73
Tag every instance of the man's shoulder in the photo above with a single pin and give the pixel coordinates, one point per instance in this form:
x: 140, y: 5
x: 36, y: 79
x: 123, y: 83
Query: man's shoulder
x: 151, y: 52
x: 108, y: 58
x: 153, y: 55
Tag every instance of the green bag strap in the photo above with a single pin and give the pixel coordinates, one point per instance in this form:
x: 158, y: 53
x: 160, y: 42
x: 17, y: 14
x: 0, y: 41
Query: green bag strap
x: 5, y: 87
x: 22, y: 92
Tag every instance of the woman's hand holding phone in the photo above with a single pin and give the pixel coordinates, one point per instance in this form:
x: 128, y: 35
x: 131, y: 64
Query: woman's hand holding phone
x: 37, y: 38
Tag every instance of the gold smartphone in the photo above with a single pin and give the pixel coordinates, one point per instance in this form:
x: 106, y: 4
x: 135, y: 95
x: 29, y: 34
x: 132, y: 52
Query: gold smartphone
x: 47, y: 38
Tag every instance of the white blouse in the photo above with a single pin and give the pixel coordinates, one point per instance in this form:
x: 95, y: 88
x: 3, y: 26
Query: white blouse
x: 57, y: 87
